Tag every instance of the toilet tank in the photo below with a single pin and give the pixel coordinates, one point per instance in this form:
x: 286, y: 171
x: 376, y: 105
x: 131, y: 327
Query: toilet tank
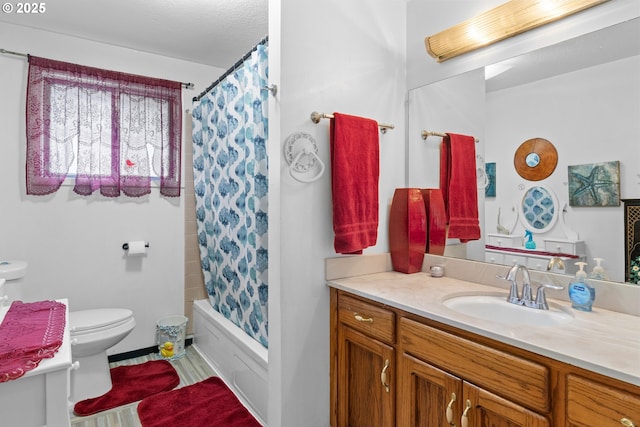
x: 12, y: 272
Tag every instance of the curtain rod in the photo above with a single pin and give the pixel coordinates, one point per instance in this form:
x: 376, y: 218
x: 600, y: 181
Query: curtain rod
x: 231, y: 70
x: 26, y: 55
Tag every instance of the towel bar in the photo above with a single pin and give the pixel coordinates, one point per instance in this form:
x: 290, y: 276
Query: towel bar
x: 425, y: 134
x: 316, y: 117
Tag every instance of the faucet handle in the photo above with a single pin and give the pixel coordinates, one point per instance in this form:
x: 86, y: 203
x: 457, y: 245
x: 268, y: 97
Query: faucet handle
x: 527, y: 294
x: 513, y: 297
x: 541, y: 297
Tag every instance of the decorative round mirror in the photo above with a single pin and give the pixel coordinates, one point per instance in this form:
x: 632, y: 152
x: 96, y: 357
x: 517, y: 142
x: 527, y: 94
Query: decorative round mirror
x: 539, y: 209
x: 535, y: 159
x: 532, y: 160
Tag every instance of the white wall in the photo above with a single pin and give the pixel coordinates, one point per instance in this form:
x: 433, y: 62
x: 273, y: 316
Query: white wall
x: 342, y: 56
x: 73, y: 244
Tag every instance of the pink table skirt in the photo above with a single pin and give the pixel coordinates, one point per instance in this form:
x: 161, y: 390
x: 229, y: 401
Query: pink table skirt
x: 29, y: 333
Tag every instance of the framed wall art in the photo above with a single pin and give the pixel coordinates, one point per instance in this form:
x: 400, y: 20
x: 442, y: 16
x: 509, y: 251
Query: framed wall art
x: 596, y: 184
x: 490, y: 170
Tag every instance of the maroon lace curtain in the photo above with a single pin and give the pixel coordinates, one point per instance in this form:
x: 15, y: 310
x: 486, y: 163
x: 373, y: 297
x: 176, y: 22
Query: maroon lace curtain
x: 113, y: 132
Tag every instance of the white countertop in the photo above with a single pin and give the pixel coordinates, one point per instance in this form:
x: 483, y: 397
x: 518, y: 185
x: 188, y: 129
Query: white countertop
x: 62, y: 358
x: 602, y: 341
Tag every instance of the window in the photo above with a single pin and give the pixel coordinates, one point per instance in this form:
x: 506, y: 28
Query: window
x: 111, y: 131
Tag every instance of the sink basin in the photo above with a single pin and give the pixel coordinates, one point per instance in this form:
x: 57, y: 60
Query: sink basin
x: 495, y: 308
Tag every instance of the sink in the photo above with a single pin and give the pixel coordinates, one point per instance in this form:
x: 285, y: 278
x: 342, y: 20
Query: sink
x: 495, y: 308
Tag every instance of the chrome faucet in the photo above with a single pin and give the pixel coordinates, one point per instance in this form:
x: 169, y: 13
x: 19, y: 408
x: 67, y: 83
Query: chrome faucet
x: 514, y: 295
x: 526, y: 299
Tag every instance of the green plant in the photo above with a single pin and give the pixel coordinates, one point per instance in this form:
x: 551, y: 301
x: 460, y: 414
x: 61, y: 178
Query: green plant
x: 634, y: 270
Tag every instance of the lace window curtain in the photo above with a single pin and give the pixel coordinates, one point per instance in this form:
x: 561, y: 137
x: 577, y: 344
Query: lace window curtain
x: 113, y: 131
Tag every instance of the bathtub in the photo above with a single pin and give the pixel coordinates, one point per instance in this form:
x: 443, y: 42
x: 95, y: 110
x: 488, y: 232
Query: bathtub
x: 237, y: 358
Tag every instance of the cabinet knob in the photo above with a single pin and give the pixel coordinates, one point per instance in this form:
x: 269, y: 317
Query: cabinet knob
x: 626, y: 422
x: 450, y: 410
x: 359, y: 318
x: 383, y: 375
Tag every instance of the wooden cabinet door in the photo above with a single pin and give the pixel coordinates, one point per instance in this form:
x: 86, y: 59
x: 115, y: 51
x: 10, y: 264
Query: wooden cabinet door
x: 488, y: 410
x: 366, y: 395
x: 426, y: 394
x: 590, y: 403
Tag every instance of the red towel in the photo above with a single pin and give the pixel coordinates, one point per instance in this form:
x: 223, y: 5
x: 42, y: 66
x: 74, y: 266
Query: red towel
x: 355, y: 168
x: 459, y: 186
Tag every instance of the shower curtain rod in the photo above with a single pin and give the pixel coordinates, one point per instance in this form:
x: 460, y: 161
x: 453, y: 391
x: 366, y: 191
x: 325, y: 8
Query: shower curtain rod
x: 426, y: 134
x: 26, y: 55
x: 230, y: 70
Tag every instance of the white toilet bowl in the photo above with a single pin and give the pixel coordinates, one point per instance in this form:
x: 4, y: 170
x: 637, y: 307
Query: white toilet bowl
x: 93, y: 332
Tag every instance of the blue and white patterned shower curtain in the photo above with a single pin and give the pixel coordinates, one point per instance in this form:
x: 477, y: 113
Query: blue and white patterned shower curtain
x: 230, y: 177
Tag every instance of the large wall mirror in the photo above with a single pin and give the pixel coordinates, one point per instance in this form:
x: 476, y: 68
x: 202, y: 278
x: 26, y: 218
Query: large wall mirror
x: 582, y: 95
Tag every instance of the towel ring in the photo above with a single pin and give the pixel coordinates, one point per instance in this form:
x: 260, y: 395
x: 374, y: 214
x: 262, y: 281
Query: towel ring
x: 301, y: 152
x: 481, y: 174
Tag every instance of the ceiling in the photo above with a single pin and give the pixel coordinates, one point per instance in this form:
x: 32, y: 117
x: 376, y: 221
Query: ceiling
x: 210, y: 32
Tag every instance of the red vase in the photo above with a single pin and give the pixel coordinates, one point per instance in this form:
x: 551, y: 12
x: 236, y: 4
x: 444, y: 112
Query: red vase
x: 407, y: 230
x: 436, y: 220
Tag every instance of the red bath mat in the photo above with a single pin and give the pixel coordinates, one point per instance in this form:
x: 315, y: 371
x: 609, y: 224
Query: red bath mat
x: 130, y: 384
x: 208, y: 403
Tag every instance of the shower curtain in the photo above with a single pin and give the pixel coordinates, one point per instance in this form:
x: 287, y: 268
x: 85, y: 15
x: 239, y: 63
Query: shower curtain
x: 230, y: 179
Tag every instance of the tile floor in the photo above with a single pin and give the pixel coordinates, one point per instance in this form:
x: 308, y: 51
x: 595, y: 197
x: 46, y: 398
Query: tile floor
x: 191, y: 368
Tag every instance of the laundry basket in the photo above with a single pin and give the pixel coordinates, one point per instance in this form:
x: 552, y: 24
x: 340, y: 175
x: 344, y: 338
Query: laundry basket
x: 170, y: 335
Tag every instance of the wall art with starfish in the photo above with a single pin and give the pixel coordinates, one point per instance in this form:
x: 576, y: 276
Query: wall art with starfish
x: 595, y: 184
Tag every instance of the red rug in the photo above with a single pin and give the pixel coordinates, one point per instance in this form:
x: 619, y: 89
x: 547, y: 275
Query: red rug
x: 208, y: 403
x: 130, y: 384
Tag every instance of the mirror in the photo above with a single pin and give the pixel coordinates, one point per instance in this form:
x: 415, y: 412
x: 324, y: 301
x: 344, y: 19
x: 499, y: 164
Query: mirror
x: 535, y: 159
x: 539, y: 209
x: 582, y: 95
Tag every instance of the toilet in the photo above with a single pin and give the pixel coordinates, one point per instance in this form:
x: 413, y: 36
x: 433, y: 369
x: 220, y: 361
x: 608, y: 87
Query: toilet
x: 92, y: 333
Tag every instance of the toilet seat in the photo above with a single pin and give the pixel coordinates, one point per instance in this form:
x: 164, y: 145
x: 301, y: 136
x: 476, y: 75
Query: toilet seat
x: 95, y: 320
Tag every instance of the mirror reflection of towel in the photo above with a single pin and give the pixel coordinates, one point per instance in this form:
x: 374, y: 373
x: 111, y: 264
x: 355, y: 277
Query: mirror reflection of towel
x: 355, y: 170
x: 459, y: 186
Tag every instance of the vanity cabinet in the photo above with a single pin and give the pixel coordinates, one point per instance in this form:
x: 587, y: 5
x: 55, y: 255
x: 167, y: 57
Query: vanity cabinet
x: 393, y: 368
x: 443, y: 377
x: 364, y: 373
x: 590, y: 403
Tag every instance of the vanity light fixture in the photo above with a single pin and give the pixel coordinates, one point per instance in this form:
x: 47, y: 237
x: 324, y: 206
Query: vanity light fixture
x: 507, y: 20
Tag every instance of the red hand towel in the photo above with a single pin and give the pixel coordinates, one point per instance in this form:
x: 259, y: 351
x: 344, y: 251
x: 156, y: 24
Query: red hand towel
x: 355, y: 168
x: 459, y: 186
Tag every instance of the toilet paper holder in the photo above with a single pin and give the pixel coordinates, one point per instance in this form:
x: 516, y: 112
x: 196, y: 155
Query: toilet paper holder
x: 125, y: 246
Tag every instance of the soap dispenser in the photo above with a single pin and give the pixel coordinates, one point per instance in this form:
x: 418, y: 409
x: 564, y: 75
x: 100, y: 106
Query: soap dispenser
x: 529, y: 244
x: 598, y: 271
x: 581, y: 293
